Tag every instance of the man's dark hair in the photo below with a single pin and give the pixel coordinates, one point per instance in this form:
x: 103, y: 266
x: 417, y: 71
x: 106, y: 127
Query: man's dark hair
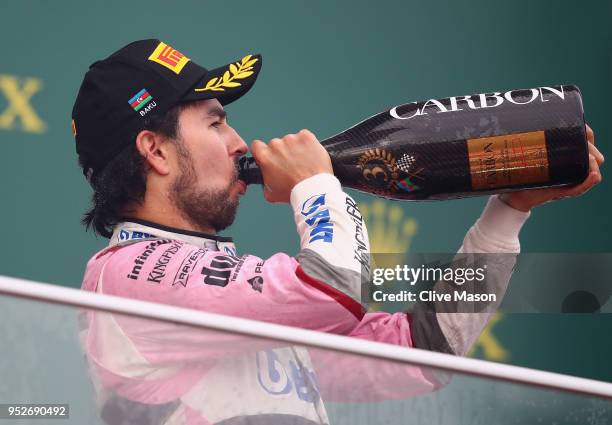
x: 122, y: 181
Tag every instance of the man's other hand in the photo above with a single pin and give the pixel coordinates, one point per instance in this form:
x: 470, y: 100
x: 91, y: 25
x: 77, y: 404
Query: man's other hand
x: 525, y: 200
x: 286, y: 161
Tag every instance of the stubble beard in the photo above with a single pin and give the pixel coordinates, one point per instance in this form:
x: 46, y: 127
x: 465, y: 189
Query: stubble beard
x: 205, y: 209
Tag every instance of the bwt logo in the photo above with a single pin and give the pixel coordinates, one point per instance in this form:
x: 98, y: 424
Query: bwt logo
x: 318, y: 218
x: 124, y: 235
x: 18, y: 93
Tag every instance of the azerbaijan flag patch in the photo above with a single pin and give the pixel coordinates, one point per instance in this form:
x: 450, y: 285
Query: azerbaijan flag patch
x: 140, y: 99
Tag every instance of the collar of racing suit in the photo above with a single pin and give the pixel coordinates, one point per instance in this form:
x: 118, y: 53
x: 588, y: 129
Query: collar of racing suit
x: 135, y: 230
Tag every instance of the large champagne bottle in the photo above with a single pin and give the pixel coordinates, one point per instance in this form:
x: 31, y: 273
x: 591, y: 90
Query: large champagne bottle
x: 462, y: 146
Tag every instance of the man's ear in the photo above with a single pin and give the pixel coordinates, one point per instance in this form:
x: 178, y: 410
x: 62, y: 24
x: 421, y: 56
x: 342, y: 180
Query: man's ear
x: 154, y: 150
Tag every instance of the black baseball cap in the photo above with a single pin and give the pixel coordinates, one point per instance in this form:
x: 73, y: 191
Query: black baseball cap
x: 145, y: 77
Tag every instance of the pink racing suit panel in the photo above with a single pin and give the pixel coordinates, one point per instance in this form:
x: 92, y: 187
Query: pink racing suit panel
x: 215, y: 282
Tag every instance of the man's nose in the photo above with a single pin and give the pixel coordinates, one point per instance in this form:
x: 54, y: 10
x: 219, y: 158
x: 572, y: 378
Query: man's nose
x: 237, y: 145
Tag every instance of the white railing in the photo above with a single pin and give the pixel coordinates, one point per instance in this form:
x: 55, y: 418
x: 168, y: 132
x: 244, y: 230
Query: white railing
x: 74, y: 297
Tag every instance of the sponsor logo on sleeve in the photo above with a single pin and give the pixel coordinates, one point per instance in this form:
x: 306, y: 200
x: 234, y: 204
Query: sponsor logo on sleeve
x: 226, y: 268
x: 219, y: 270
x: 159, y: 269
x: 141, y: 259
x: 256, y: 283
x: 187, y: 266
x: 317, y: 217
x: 361, y: 250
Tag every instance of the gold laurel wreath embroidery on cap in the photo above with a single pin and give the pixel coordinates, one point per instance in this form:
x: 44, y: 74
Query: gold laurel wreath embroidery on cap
x: 238, y: 71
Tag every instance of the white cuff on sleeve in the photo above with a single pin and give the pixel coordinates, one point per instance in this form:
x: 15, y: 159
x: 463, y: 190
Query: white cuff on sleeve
x: 500, y: 221
x: 315, y: 185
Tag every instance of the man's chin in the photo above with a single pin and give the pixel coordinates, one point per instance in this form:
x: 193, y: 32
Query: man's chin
x: 208, y: 210
x: 226, y: 221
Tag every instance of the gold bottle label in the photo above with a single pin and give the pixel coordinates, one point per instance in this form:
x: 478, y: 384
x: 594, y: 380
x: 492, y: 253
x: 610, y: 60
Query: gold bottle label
x: 509, y: 160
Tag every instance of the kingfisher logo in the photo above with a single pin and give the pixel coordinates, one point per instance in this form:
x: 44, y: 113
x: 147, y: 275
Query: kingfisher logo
x: 318, y: 219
